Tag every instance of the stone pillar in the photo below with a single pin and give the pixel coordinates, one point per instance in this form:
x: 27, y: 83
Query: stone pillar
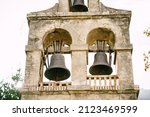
x: 124, y: 69
x: 79, y: 64
x: 94, y: 5
x: 64, y: 6
x: 33, y: 68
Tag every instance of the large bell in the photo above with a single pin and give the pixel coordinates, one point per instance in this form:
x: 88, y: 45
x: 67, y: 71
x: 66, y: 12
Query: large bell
x: 78, y: 6
x: 57, y: 70
x: 100, y: 66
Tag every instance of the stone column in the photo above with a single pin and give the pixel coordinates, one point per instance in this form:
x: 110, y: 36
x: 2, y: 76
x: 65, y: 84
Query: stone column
x: 79, y: 64
x: 64, y: 6
x: 93, y: 5
x: 33, y: 68
x: 124, y: 69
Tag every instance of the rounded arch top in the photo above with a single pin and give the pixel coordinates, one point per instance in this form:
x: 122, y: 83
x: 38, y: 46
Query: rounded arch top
x: 101, y: 34
x: 56, y: 34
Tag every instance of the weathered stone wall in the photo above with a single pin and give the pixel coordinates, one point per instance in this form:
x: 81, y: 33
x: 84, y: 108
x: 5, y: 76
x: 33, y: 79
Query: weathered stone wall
x: 82, y: 95
x: 33, y: 68
x: 79, y: 25
x: 79, y: 30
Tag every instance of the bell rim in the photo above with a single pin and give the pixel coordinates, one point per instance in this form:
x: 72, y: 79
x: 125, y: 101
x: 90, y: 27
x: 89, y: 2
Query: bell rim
x: 62, y: 78
x: 110, y: 69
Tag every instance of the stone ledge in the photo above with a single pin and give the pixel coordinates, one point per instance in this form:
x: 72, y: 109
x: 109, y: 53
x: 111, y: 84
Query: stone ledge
x: 29, y: 48
x: 81, y: 95
x: 124, y: 47
x: 84, y: 90
x: 81, y: 47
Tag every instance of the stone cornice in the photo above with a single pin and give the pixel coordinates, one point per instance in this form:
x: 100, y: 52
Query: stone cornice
x: 75, y: 15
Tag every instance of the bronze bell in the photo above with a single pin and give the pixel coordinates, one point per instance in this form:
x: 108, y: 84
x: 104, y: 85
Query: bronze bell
x: 57, y: 70
x: 100, y: 66
x: 78, y: 6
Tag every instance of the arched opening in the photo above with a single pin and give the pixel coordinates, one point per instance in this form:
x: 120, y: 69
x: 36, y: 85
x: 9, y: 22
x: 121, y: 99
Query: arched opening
x: 57, y: 58
x: 101, y: 42
x: 102, y: 71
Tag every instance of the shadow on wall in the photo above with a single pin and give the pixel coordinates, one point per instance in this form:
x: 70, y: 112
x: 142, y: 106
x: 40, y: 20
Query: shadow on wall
x: 144, y: 94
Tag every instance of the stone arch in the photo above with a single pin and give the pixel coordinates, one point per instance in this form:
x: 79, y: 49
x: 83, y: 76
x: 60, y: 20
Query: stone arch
x: 57, y: 34
x: 102, y: 34
x: 109, y: 25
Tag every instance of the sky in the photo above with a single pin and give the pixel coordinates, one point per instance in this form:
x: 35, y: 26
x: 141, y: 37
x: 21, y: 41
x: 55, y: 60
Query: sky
x: 14, y: 34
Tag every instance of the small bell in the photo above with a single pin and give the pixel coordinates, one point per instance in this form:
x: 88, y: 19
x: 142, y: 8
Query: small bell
x: 79, y: 6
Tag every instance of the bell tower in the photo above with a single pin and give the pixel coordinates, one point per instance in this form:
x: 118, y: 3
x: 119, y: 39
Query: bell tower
x: 92, y: 39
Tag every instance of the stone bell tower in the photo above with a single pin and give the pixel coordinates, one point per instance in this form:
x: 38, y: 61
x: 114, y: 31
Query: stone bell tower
x: 82, y: 31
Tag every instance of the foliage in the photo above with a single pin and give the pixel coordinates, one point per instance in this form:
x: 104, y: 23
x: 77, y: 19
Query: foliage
x: 147, y: 54
x: 147, y: 32
x: 17, y: 77
x: 8, y: 91
x: 147, y: 60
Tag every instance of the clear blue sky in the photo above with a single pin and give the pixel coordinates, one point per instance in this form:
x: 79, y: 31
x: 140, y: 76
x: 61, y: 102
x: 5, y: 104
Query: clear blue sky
x: 14, y: 33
